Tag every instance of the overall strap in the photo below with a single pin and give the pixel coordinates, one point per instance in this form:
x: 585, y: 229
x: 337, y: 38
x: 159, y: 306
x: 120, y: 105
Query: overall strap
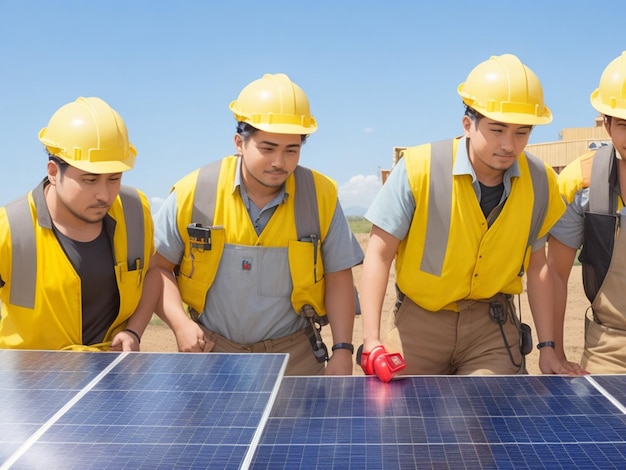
x: 205, y: 194
x: 305, y: 202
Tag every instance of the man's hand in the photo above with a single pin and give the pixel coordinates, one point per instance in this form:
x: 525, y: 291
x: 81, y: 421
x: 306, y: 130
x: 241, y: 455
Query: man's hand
x: 124, y: 341
x: 190, y: 338
x: 549, y: 363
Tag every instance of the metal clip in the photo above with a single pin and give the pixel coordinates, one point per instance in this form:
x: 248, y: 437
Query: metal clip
x: 320, y: 351
x: 497, y: 313
x: 199, y: 236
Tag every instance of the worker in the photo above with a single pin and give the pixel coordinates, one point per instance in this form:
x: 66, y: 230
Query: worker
x: 594, y: 186
x: 73, y: 250
x: 465, y: 219
x: 257, y: 247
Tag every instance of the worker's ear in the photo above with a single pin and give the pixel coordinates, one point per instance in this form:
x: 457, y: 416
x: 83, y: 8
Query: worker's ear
x: 238, y: 144
x: 53, y: 171
x: 467, y: 125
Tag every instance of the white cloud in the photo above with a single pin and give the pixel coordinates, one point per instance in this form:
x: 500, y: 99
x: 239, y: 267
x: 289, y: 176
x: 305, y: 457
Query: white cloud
x: 369, y: 130
x: 359, y: 191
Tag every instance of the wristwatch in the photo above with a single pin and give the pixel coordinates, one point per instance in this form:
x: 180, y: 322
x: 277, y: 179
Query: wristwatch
x: 347, y: 346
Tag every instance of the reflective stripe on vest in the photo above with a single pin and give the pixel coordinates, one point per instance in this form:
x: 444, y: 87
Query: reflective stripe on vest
x: 440, y: 204
x: 305, y: 199
x: 541, y: 193
x: 135, y: 230
x: 600, y: 200
x: 23, y: 255
x: 24, y: 251
x: 439, y: 207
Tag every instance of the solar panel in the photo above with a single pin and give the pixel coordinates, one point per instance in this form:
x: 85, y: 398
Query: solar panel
x: 188, y: 411
x: 444, y: 422
x: 145, y: 411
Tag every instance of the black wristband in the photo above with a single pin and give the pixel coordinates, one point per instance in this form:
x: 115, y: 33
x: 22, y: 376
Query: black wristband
x: 347, y: 346
x: 549, y: 344
x: 134, y: 333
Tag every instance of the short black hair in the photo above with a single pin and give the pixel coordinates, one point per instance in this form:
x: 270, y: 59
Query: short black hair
x: 246, y: 131
x: 62, y: 164
x: 473, y: 114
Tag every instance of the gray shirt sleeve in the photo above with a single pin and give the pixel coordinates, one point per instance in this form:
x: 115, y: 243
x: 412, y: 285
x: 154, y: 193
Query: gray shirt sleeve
x: 569, y: 228
x: 340, y: 250
x: 393, y: 208
x: 167, y: 239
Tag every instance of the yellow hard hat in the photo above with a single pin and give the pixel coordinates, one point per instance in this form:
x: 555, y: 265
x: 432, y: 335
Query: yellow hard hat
x: 91, y: 136
x: 610, y: 97
x: 505, y: 90
x: 274, y: 104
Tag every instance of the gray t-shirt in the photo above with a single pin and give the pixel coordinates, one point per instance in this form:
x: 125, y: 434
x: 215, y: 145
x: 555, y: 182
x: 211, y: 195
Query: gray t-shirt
x: 94, y: 264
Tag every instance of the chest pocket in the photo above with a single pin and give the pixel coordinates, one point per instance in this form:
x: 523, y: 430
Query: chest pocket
x: 195, y: 283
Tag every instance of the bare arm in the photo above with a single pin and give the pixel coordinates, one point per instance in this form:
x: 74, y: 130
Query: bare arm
x: 381, y: 250
x: 170, y: 309
x: 161, y: 296
x: 340, y: 305
x: 137, y: 323
x: 560, y: 261
x: 541, y: 299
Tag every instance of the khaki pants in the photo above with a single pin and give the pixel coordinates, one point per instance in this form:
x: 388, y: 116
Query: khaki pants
x: 297, y: 345
x: 468, y: 342
x: 605, y: 349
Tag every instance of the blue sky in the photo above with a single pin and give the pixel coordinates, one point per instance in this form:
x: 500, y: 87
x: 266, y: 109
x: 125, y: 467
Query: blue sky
x: 378, y: 74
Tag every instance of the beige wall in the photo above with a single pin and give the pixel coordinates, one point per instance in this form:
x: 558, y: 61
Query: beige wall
x: 573, y: 143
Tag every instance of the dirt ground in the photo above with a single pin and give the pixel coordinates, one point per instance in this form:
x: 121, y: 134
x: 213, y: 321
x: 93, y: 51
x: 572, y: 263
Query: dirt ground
x: 159, y: 338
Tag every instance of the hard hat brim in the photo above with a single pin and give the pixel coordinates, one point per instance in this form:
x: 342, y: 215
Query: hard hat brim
x: 519, y: 118
x: 285, y: 128
x: 102, y: 168
x: 602, y: 108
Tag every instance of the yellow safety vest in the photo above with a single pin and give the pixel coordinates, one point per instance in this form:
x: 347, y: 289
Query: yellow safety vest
x: 450, y: 252
x: 41, y: 302
x: 222, y: 211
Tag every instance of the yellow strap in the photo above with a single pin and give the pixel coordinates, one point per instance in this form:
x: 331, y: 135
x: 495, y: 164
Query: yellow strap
x: 93, y: 347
